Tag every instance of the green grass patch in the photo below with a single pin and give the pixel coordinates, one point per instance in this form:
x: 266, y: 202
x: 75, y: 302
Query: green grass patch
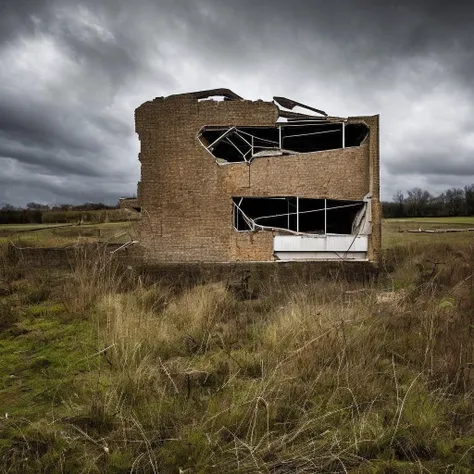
x: 39, y: 359
x: 462, y: 220
x: 394, y: 231
x: 106, y: 373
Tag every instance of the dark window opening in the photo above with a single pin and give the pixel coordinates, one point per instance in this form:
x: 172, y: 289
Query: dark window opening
x: 311, y: 215
x: 313, y: 137
x: 340, y: 216
x: 267, y: 212
x: 293, y: 214
x: 355, y: 134
x: 233, y: 145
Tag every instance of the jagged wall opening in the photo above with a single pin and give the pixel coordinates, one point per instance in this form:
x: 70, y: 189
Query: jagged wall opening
x: 294, y: 214
x: 242, y: 144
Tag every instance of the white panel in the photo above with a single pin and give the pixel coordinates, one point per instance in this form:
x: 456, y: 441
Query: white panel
x: 320, y: 243
x: 287, y: 256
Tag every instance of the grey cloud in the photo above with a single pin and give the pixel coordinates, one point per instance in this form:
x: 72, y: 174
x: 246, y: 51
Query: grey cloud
x: 75, y: 121
x: 436, y: 163
x: 18, y: 179
x: 43, y: 125
x: 364, y: 31
x: 18, y: 16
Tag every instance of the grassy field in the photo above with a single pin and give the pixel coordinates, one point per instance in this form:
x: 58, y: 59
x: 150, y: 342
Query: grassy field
x: 13, y: 228
x: 451, y: 221
x: 394, y: 231
x: 103, y: 371
x: 59, y: 235
x: 56, y: 235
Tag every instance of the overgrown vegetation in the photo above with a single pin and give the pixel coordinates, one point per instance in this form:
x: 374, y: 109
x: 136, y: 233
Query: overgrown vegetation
x: 395, y: 232
x: 35, y: 213
x: 57, y: 235
x: 420, y: 203
x: 68, y: 217
x: 105, y: 371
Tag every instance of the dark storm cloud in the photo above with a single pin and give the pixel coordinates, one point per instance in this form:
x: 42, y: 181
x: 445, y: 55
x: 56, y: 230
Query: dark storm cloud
x: 17, y: 15
x: 72, y: 73
x: 397, y: 28
x: 436, y: 163
x: 49, y: 188
x: 31, y: 124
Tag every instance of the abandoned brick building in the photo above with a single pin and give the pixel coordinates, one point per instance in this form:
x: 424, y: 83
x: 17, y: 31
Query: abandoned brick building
x: 225, y: 179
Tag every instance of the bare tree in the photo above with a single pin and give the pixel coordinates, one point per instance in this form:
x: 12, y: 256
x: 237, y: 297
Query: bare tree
x: 469, y: 199
x: 418, y: 201
x: 455, y: 201
x: 399, y: 200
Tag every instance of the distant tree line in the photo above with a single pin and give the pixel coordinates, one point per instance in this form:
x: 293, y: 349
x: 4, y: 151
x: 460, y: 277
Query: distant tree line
x: 33, y: 212
x: 418, y: 202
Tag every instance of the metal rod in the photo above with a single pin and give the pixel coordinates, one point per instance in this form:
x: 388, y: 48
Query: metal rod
x: 343, y: 135
x: 325, y: 216
x: 279, y: 137
x: 221, y: 137
x: 312, y: 133
x: 310, y: 211
x: 258, y: 138
x: 288, y: 207
x: 242, y: 138
x: 297, y: 214
x: 237, y: 148
x: 267, y: 147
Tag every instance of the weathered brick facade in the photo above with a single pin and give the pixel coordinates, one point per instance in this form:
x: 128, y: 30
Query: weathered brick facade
x: 186, y: 196
x: 128, y: 203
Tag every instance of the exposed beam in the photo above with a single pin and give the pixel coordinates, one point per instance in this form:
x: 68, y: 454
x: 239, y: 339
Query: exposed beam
x: 291, y: 104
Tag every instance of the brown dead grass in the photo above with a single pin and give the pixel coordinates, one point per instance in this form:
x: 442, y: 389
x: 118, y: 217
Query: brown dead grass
x: 323, y: 376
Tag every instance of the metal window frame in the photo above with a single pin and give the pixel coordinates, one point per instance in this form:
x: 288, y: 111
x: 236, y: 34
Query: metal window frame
x: 254, y: 225
x: 277, y: 147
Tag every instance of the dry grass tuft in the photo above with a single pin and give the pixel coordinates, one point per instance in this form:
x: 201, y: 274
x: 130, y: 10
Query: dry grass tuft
x: 322, y: 376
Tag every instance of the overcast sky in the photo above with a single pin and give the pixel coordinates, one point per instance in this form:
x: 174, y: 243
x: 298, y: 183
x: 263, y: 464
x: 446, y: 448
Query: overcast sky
x: 72, y: 73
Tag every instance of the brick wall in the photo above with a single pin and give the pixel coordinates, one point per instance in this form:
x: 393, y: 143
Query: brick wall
x: 128, y: 203
x: 186, y: 197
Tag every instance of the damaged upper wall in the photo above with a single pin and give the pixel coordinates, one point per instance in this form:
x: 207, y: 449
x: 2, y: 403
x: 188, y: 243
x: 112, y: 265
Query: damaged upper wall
x: 178, y: 110
x: 187, y: 196
x: 243, y: 144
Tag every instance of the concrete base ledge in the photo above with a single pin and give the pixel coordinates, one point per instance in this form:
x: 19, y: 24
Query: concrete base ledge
x: 184, y: 274
x: 283, y: 272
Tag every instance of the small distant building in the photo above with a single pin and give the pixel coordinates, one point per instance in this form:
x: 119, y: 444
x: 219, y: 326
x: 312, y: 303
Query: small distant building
x: 225, y: 179
x: 129, y: 203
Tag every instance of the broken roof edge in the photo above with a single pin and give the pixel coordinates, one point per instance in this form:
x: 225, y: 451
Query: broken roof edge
x: 288, y: 116
x: 206, y: 94
x: 295, y: 117
x: 291, y: 104
x: 280, y: 103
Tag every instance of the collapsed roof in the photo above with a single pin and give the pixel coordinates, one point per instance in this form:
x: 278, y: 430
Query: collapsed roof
x: 284, y: 104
